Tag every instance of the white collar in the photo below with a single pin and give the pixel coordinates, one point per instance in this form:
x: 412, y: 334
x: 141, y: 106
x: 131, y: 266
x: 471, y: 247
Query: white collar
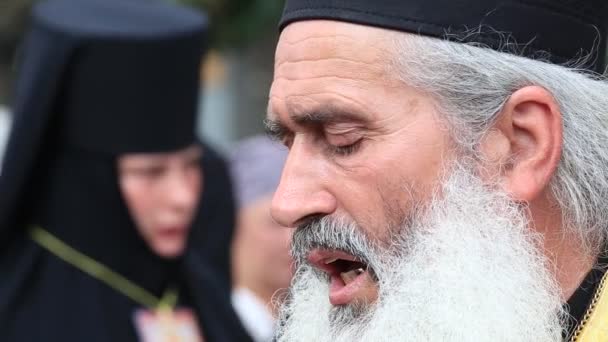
x: 5, y: 126
x: 254, y: 314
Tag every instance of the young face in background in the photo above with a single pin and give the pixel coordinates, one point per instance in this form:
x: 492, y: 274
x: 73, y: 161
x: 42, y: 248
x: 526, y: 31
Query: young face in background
x: 162, y: 192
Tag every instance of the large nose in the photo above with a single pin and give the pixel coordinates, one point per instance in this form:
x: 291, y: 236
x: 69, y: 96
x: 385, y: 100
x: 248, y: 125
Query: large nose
x: 302, y: 192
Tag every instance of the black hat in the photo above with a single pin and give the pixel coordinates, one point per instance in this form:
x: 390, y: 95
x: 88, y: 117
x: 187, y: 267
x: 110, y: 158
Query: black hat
x: 556, y: 30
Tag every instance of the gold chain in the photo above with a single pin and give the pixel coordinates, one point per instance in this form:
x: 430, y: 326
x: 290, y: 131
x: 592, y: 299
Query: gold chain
x: 103, y: 273
x: 599, y: 293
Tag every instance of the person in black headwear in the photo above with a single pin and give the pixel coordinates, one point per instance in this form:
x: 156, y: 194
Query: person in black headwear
x: 102, y: 178
x: 447, y: 169
x: 260, y: 274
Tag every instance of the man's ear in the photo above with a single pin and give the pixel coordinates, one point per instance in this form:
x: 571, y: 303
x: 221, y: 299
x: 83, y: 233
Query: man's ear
x: 527, y: 140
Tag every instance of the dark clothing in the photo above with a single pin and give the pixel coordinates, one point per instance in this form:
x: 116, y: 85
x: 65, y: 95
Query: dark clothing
x: 55, y: 302
x: 216, y: 218
x: 579, y: 302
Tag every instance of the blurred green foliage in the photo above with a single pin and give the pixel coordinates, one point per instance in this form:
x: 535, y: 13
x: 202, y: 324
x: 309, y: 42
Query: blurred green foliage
x: 237, y: 23
x: 13, y: 18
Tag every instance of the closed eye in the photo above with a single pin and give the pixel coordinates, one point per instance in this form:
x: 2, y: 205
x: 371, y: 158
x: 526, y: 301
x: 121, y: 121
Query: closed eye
x: 345, y: 150
x: 152, y: 171
x: 343, y: 141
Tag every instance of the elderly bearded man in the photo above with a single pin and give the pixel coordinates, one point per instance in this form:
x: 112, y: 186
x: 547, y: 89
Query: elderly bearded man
x: 448, y: 169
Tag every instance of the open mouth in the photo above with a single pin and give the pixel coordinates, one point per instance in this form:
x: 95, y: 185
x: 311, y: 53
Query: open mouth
x: 350, y: 277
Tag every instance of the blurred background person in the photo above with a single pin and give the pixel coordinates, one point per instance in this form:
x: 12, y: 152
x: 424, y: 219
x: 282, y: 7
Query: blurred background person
x: 102, y: 180
x: 242, y: 39
x: 260, y: 252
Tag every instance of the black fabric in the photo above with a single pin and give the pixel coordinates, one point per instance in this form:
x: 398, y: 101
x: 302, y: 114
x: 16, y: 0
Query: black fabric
x: 36, y: 90
x: 554, y: 30
x: 216, y: 218
x: 100, y: 78
x: 99, y: 67
x: 579, y: 302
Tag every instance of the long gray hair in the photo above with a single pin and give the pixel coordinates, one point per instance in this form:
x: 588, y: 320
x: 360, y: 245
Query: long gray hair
x: 472, y: 83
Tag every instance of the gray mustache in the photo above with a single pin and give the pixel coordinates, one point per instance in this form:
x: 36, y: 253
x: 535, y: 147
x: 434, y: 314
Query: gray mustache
x: 328, y: 233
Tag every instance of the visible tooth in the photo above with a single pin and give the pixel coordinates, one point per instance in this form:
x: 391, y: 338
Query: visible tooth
x: 329, y: 261
x: 348, y: 277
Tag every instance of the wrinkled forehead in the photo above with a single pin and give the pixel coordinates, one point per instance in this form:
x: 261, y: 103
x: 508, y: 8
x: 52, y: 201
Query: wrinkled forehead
x: 318, y: 40
x: 329, y: 57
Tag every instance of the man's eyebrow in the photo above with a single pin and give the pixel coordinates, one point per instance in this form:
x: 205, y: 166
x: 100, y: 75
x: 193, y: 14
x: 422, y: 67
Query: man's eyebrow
x: 317, y: 116
x: 325, y: 114
x: 275, y: 130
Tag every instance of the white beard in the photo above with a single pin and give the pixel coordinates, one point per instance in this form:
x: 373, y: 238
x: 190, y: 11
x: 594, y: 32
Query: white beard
x: 469, y: 269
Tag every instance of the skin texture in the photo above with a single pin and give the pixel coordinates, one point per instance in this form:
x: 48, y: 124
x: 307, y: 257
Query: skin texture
x: 261, y: 260
x: 162, y: 191
x: 365, y: 145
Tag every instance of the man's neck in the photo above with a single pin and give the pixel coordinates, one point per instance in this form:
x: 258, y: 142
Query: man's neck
x: 572, y: 263
x: 567, y: 254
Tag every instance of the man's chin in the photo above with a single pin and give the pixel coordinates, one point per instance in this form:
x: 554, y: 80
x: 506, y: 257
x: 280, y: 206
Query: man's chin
x: 349, y: 304
x: 350, y: 315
